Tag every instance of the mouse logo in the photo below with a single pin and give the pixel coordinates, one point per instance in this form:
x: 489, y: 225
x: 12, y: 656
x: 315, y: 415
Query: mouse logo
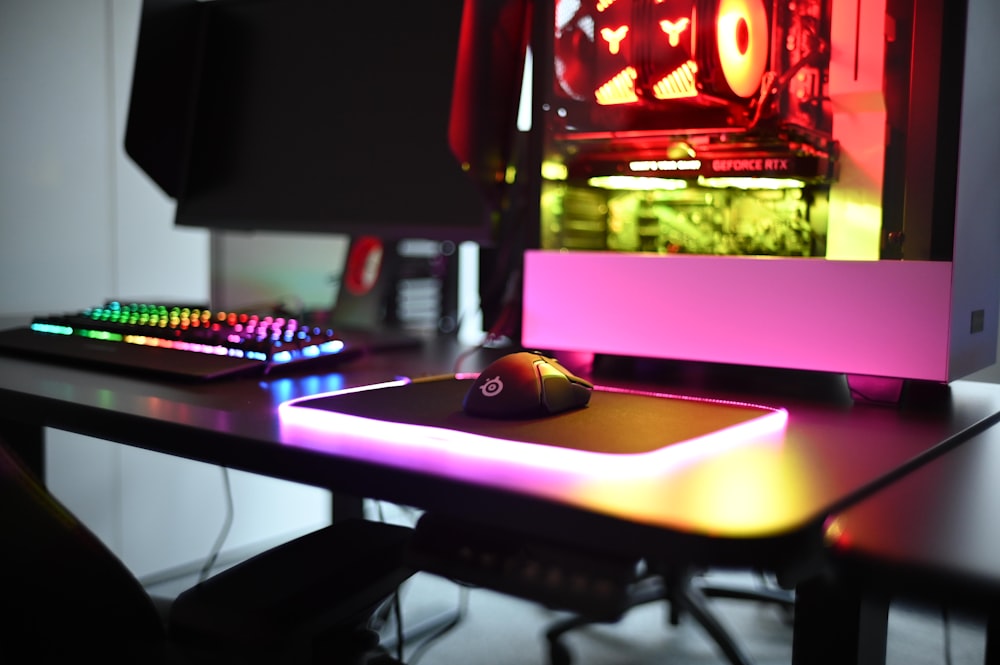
x: 492, y: 387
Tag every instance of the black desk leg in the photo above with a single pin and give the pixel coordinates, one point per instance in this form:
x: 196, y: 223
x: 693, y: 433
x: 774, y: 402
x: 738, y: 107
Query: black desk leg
x: 839, y: 624
x: 346, y: 506
x: 993, y: 638
x: 27, y: 442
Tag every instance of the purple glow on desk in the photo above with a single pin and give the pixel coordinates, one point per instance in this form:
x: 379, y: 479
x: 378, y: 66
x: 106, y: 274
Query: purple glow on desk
x: 430, y: 448
x: 688, y: 484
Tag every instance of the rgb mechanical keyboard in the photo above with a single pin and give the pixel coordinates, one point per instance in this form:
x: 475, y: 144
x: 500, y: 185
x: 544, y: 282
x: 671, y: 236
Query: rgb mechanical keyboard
x: 179, y: 340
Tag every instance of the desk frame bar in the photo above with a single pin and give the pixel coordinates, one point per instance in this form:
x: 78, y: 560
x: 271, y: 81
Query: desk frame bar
x: 27, y: 441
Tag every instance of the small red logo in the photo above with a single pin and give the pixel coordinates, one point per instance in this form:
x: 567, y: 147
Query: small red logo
x: 364, y: 263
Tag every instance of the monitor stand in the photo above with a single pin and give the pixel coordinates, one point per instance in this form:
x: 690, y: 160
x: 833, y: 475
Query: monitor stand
x: 393, y: 294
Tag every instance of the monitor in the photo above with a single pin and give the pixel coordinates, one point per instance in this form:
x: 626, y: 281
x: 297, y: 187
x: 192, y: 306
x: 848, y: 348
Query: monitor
x: 390, y: 120
x: 805, y: 185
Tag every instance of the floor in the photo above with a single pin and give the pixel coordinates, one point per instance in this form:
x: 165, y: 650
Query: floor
x: 495, y: 629
x: 498, y: 630
x: 504, y: 631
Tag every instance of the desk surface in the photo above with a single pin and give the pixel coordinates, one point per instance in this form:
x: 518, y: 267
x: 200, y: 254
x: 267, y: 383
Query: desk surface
x: 931, y: 536
x: 934, y: 534
x: 762, y: 502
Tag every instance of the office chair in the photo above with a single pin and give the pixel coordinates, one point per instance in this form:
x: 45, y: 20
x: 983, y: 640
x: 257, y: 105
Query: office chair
x: 65, y: 597
x: 684, y: 591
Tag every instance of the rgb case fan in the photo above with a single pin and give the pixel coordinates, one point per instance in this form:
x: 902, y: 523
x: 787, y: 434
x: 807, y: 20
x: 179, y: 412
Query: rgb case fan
x: 689, y: 64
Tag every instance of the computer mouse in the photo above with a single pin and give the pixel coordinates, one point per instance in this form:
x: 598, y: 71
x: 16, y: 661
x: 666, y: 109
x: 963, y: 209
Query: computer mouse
x: 525, y: 384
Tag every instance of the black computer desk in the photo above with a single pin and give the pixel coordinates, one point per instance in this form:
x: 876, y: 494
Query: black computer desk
x: 933, y: 537
x: 760, y: 504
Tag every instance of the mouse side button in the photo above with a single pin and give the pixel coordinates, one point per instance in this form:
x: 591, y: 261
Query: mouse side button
x: 582, y: 382
x: 559, y: 393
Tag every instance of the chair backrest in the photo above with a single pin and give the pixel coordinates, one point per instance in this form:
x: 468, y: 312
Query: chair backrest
x: 62, y: 591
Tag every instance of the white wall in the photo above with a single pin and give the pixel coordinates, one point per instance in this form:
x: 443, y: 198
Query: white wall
x: 80, y: 223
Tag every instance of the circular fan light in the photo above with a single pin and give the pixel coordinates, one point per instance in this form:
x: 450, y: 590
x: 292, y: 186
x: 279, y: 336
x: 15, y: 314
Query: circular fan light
x: 741, y: 35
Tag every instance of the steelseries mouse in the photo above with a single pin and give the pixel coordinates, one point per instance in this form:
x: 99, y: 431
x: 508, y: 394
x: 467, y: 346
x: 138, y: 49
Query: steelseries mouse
x: 525, y: 384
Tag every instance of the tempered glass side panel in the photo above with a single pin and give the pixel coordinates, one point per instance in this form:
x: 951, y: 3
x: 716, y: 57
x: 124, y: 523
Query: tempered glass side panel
x: 820, y: 128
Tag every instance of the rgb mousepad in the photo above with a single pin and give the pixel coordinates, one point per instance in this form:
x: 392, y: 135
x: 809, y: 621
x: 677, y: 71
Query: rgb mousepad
x: 615, y: 422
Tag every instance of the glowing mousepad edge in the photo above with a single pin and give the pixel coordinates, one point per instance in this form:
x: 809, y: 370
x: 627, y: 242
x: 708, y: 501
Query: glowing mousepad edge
x: 616, y: 422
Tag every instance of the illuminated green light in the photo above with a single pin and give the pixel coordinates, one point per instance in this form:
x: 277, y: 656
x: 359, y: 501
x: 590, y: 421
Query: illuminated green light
x: 554, y: 171
x: 100, y: 334
x: 751, y: 183
x: 855, y: 231
x: 631, y: 182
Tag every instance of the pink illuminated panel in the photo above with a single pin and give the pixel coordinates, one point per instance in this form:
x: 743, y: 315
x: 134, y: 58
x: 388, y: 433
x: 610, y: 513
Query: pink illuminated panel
x: 796, y: 313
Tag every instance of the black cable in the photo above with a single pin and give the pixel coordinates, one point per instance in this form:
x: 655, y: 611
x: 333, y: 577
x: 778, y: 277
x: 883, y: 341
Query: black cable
x: 465, y: 354
x: 397, y: 602
x: 397, y: 609
x: 224, y: 532
x: 778, y: 83
x: 946, y: 626
x: 463, y: 604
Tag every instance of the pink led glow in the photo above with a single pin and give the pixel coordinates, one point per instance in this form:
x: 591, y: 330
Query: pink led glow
x: 209, y: 349
x: 403, y: 443
x: 736, y: 310
x: 648, y: 487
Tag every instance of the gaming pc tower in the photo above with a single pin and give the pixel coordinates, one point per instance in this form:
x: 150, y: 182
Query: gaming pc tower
x: 806, y: 185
